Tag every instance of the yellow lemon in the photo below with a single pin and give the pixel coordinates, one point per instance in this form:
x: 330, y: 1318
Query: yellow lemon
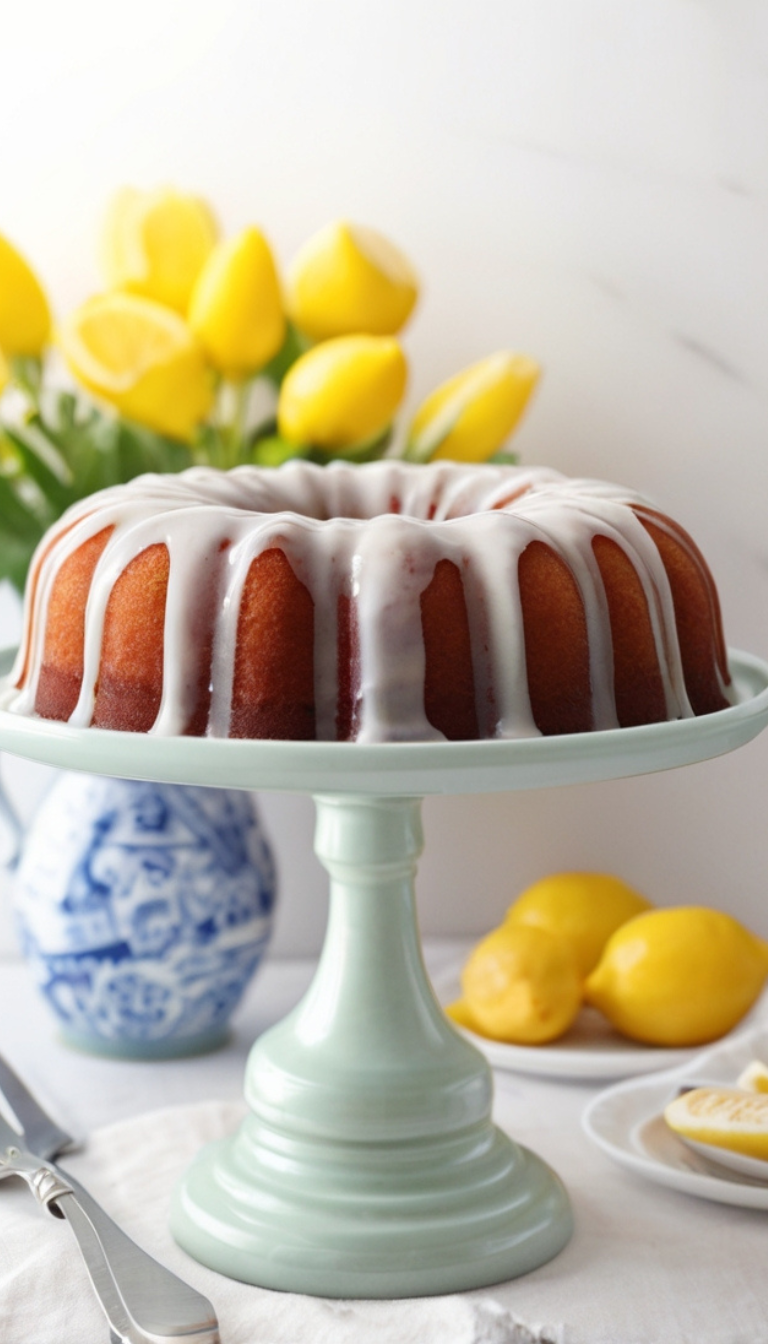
x: 458, y: 1012
x: 754, y: 1078
x: 471, y: 415
x: 154, y: 243
x: 348, y: 279
x: 678, y: 977
x: 342, y: 392
x: 585, y: 908
x: 25, y: 318
x: 723, y: 1116
x: 522, y: 985
x: 142, y: 358
x: 236, y: 309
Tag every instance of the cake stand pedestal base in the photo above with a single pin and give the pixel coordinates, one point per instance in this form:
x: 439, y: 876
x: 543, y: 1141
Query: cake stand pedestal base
x: 369, y: 1166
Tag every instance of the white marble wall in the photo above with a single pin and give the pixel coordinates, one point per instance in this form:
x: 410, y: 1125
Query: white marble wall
x: 586, y: 180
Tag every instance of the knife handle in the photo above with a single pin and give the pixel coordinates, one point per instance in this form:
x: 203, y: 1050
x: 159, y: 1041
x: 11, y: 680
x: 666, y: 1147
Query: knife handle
x: 144, y: 1303
x: 162, y: 1304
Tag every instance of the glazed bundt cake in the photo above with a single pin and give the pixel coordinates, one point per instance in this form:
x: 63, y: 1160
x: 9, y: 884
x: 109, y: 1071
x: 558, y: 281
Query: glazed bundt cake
x: 387, y: 602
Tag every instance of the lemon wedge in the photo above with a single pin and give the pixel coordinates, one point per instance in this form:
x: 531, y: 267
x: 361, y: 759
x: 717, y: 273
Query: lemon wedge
x: 154, y: 243
x: 754, y: 1078
x: 723, y: 1116
x: 142, y: 358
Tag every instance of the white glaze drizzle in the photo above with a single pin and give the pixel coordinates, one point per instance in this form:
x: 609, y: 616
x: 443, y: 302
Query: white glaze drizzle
x: 341, y: 537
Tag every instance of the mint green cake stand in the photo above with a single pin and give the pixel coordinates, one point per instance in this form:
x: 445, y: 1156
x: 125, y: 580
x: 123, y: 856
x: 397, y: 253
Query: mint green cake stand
x: 369, y: 1165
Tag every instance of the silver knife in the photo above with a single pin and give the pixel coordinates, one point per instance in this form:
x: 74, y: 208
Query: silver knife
x: 143, y: 1301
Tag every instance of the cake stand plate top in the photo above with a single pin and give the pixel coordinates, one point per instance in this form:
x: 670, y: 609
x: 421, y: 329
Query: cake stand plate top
x: 394, y: 769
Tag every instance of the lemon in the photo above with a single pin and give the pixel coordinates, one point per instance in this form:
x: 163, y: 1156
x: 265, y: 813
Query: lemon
x: 25, y: 318
x: 458, y: 1011
x: 342, y: 392
x: 585, y: 908
x: 154, y: 243
x: 348, y: 279
x: 678, y: 977
x: 723, y: 1116
x: 236, y: 308
x: 470, y: 416
x: 142, y: 358
x: 522, y: 985
x: 754, y: 1078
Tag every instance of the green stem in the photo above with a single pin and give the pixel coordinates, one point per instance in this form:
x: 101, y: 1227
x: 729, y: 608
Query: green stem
x: 231, y: 425
x: 27, y: 371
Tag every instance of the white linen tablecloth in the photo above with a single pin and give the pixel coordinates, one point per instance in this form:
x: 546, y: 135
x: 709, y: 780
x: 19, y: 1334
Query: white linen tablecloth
x: 646, y: 1265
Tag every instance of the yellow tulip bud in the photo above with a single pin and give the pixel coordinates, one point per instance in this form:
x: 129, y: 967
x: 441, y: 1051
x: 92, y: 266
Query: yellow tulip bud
x: 348, y: 279
x: 154, y: 243
x: 236, y: 308
x: 25, y: 318
x: 342, y: 392
x: 470, y: 416
x: 141, y: 358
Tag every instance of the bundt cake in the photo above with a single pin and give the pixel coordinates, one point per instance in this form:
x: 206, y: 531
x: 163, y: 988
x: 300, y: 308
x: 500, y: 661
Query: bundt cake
x: 387, y: 602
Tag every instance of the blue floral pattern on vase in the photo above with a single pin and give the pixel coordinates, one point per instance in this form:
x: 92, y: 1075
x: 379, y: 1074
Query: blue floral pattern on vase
x: 144, y: 910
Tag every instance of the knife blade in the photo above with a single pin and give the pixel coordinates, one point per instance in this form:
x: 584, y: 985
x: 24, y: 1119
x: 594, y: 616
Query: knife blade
x: 41, y: 1133
x: 160, y: 1305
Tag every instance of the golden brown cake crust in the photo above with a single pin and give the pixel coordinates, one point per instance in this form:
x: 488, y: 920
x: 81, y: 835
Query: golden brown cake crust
x: 387, y: 602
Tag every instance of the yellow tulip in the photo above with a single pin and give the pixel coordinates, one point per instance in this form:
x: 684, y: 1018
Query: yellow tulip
x: 348, y: 279
x: 343, y: 392
x: 470, y: 416
x: 5, y: 373
x: 236, y: 309
x: 142, y: 358
x: 25, y: 318
x: 154, y: 243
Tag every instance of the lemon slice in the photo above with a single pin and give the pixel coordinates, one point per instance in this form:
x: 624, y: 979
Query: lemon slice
x: 723, y: 1117
x: 754, y: 1078
x: 155, y: 243
x: 142, y: 358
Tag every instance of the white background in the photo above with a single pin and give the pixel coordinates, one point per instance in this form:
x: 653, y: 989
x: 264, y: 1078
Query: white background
x: 584, y: 180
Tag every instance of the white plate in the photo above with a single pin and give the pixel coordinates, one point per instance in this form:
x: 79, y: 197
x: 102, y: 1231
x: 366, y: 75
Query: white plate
x: 627, y: 1123
x: 591, y: 1049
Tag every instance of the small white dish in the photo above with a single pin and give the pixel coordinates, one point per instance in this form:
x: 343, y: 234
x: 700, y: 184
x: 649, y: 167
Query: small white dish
x: 590, y: 1050
x: 754, y: 1167
x: 627, y: 1122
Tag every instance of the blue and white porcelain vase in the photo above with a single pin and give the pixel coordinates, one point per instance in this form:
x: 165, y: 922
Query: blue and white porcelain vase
x: 144, y: 910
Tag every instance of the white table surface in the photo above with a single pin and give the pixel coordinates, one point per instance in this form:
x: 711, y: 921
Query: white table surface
x: 646, y: 1265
